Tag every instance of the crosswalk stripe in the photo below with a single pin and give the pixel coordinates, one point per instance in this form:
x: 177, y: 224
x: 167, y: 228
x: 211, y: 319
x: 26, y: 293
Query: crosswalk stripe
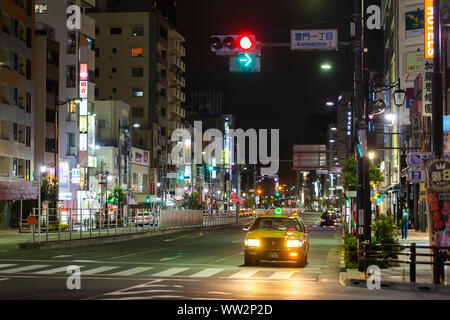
x: 7, y: 265
x: 169, y: 272
x: 55, y: 270
x: 206, y: 273
x: 132, y: 271
x: 281, y: 275
x: 4, y: 279
x: 244, y: 274
x: 22, y: 269
x: 98, y: 270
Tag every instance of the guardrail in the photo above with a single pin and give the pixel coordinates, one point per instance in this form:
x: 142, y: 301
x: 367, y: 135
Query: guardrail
x: 74, y: 224
x: 389, y: 253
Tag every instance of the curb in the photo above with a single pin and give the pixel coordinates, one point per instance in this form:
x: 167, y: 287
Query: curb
x: 342, y: 268
x: 110, y: 239
x: 391, y: 285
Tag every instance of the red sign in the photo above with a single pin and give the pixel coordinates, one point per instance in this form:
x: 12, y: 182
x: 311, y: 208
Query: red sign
x: 31, y: 220
x: 84, y: 72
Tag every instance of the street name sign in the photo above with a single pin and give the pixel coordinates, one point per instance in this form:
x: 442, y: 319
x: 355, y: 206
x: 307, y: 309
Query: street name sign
x: 307, y: 40
x: 417, y: 158
x: 416, y: 175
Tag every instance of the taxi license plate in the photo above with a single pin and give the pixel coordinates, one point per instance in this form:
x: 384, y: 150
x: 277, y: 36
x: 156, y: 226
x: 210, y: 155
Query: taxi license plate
x: 272, y: 255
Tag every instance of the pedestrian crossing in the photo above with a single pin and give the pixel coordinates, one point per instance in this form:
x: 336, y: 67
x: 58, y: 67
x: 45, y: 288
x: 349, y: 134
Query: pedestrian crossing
x: 232, y: 273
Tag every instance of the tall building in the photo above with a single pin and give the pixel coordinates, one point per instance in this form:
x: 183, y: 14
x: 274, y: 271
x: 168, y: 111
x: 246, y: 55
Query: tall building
x: 46, y: 98
x: 139, y: 61
x: 16, y: 104
x: 76, y: 92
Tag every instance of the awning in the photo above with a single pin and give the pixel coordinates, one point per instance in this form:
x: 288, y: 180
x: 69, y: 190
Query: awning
x: 14, y: 190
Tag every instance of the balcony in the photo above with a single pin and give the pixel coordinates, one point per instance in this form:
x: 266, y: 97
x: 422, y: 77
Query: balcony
x: 177, y: 48
x: 162, y: 100
x: 162, y: 61
x: 177, y: 95
x: 178, y: 62
x: 71, y: 117
x: 162, y: 120
x: 162, y: 81
x: 162, y: 141
x: 177, y: 78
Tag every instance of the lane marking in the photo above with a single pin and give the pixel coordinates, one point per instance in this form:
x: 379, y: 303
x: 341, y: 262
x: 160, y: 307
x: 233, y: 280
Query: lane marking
x: 226, y: 258
x: 7, y: 265
x: 132, y: 271
x: 172, y: 258
x: 282, y: 275
x: 243, y: 274
x: 169, y: 272
x: 62, y: 256
x: 206, y: 273
x: 4, y: 279
x: 27, y: 268
x: 98, y: 270
x: 56, y: 270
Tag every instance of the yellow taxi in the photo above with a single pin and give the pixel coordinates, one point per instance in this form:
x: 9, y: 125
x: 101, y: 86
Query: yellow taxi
x: 276, y: 238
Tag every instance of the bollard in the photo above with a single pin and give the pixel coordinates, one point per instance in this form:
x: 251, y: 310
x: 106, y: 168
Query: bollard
x: 412, y: 265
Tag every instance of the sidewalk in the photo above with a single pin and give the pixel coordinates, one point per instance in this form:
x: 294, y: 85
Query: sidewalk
x: 397, y: 277
x: 10, y: 239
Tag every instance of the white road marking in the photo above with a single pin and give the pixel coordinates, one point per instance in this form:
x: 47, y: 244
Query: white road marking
x: 85, y: 261
x: 98, y: 270
x: 169, y: 272
x: 62, y: 256
x: 281, y: 275
x: 132, y: 271
x: 206, y: 273
x: 53, y: 271
x: 243, y: 274
x: 4, y: 279
x: 22, y: 269
x: 7, y: 265
x: 172, y: 258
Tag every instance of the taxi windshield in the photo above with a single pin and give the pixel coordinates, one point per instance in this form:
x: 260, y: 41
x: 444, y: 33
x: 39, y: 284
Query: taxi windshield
x: 282, y: 224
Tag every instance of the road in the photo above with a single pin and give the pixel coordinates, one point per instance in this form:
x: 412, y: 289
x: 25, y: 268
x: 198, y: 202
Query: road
x: 184, y: 265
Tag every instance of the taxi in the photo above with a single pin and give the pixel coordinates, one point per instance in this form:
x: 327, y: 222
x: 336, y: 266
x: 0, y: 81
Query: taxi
x: 276, y: 238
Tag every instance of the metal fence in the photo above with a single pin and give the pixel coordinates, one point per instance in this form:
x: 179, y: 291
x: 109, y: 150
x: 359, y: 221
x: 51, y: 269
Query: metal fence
x: 73, y: 224
x: 389, y: 253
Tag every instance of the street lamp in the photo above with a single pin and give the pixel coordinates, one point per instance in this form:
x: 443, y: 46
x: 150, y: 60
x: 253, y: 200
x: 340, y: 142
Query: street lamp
x: 399, y: 97
x: 325, y: 66
x: 371, y: 155
x: 390, y: 117
x: 330, y: 103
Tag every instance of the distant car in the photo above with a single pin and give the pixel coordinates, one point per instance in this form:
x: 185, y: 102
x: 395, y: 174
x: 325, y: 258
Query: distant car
x: 328, y: 219
x: 276, y: 238
x: 144, y: 218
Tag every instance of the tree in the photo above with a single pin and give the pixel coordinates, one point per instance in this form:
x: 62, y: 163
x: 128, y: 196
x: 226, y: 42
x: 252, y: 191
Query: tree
x: 117, y: 196
x: 50, y: 191
x: 349, y: 172
x: 191, y: 202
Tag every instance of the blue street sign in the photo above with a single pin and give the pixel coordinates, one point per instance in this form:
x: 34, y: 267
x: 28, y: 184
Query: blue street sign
x: 325, y: 39
x: 416, y: 175
x: 417, y: 158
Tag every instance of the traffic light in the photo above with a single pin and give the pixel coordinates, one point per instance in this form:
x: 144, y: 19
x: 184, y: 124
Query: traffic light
x: 280, y: 188
x: 180, y: 176
x: 277, y: 194
x: 147, y: 200
x: 231, y: 45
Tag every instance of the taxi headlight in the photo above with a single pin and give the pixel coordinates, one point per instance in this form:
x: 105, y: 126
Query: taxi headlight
x: 252, y: 243
x: 293, y: 243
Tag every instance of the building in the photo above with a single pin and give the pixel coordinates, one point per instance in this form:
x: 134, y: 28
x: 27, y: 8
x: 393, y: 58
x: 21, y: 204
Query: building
x: 16, y: 105
x: 139, y: 61
x: 46, y: 98
x: 76, y: 92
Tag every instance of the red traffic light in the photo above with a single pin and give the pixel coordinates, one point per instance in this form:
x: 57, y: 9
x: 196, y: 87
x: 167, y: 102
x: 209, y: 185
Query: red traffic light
x: 246, y: 43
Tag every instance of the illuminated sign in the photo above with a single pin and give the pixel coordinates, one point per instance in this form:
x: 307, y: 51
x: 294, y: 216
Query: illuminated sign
x: 76, y: 176
x: 83, y: 142
x: 84, y: 72
x: 83, y: 124
x: 83, y: 89
x: 92, y: 162
x: 91, y: 134
x: 429, y: 29
x: 84, y: 107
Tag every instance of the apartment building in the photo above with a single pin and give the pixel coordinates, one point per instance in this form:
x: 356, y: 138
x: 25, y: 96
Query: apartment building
x: 46, y: 98
x: 16, y: 104
x: 76, y: 91
x: 139, y: 61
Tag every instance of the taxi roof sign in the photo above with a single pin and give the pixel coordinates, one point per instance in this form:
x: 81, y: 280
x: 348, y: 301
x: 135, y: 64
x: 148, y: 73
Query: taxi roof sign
x: 278, y: 211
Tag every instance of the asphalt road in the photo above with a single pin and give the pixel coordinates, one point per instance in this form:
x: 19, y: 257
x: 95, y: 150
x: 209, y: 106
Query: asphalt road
x: 184, y: 265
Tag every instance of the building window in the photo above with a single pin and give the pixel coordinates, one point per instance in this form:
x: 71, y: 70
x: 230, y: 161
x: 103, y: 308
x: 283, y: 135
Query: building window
x: 137, y: 72
x: 97, y: 92
x: 114, y: 50
x: 15, y: 132
x: 71, y: 76
x: 50, y: 145
x: 114, y: 70
x: 116, y: 30
x: 97, y: 52
x: 28, y: 103
x: 15, y: 96
x: 97, y: 72
x: 137, y: 113
x: 114, y: 90
x: 137, y: 52
x: 40, y: 9
x: 50, y: 115
x: 138, y: 92
x: 97, y: 31
x: 163, y: 32
x: 28, y: 136
x: 137, y: 31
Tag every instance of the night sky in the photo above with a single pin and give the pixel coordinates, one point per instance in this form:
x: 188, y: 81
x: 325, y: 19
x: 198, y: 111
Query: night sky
x: 291, y: 87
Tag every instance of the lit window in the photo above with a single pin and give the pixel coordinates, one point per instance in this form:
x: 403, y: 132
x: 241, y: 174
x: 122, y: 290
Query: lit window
x: 138, y: 92
x: 137, y: 52
x: 40, y: 8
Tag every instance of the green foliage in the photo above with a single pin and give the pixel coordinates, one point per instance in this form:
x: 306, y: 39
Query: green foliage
x: 55, y: 227
x: 190, y: 201
x: 350, y: 251
x: 349, y: 173
x: 49, y: 191
x: 116, y: 196
x: 384, y: 230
